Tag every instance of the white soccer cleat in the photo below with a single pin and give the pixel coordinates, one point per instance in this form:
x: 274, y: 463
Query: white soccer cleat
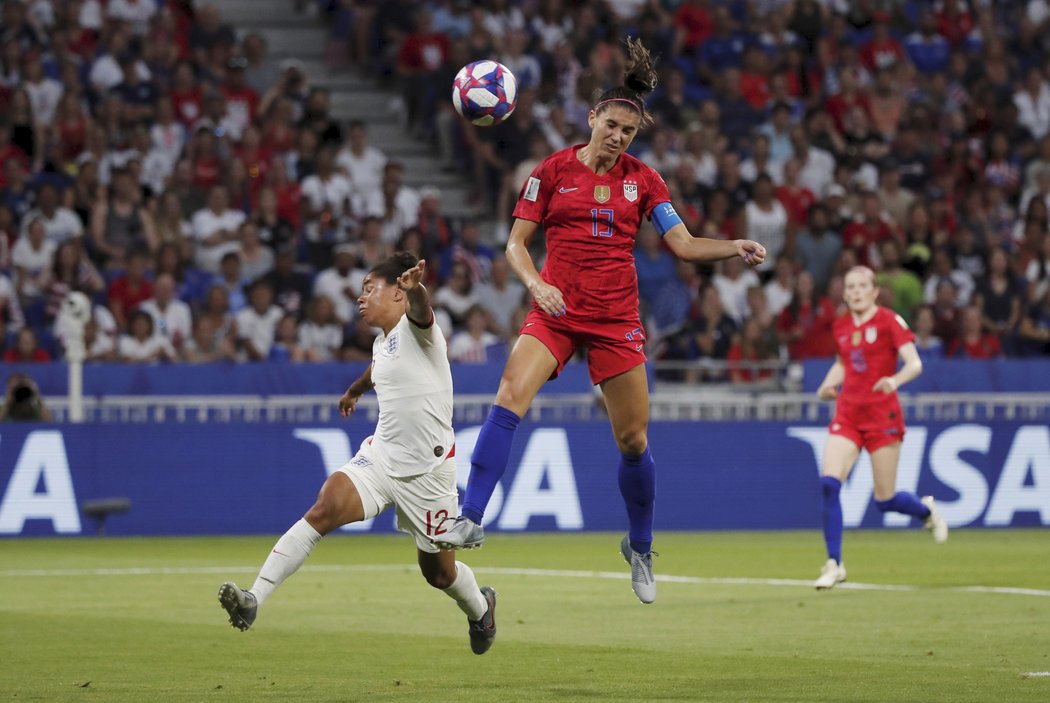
x: 642, y: 580
x: 831, y: 574
x: 935, y: 523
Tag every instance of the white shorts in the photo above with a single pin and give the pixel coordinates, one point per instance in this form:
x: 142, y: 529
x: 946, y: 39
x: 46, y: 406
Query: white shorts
x: 422, y: 502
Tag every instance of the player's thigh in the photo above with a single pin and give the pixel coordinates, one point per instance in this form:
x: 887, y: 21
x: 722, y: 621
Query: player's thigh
x: 530, y: 365
x: 884, y: 468
x: 627, y: 402
x: 427, y: 504
x: 840, y: 454
x: 338, y: 503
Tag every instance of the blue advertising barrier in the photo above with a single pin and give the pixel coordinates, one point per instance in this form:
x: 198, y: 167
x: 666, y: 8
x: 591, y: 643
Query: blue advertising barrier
x: 944, y: 375
x: 250, y: 479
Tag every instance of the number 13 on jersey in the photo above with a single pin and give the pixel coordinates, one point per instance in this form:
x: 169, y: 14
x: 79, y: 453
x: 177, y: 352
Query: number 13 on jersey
x: 602, y: 222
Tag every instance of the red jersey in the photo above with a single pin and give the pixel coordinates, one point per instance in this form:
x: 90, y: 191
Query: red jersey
x: 590, y: 223
x: 869, y: 352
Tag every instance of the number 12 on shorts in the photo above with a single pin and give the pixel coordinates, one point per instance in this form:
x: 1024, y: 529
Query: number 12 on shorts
x: 436, y: 522
x: 602, y: 222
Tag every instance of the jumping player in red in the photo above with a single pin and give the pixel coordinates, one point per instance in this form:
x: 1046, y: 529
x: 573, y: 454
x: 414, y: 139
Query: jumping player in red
x: 590, y: 199
x: 869, y: 340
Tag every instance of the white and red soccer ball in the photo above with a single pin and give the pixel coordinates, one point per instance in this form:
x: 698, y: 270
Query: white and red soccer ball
x: 485, y: 92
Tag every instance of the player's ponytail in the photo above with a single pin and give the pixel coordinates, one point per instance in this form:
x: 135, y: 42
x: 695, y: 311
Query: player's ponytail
x: 640, y: 78
x: 391, y: 269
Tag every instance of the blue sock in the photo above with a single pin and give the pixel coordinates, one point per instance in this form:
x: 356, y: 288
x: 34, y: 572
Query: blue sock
x: 637, y: 478
x: 907, y: 503
x: 830, y: 487
x: 489, y: 460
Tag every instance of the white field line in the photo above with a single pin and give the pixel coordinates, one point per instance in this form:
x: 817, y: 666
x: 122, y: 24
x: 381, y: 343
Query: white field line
x: 548, y: 573
x: 1036, y: 674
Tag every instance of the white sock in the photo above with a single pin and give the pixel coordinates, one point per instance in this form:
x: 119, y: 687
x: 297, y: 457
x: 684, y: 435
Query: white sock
x: 464, y: 590
x: 287, y: 556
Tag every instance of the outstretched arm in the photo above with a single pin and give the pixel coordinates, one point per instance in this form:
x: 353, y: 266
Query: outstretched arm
x: 419, y: 310
x: 348, y: 403
x: 686, y: 246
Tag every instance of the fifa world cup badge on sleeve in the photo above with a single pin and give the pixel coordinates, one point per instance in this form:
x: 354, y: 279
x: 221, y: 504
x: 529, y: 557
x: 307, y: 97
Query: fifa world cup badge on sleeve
x: 630, y: 191
x: 602, y: 193
x: 532, y: 189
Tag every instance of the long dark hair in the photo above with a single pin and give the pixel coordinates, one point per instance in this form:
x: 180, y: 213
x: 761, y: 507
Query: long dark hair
x: 639, y: 79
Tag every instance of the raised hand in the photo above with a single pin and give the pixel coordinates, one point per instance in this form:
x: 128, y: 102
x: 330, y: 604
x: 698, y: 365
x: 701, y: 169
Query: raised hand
x: 751, y: 252
x: 413, y: 277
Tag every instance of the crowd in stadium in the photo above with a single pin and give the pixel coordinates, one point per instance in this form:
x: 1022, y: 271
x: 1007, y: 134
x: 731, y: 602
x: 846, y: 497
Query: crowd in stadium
x: 204, y: 198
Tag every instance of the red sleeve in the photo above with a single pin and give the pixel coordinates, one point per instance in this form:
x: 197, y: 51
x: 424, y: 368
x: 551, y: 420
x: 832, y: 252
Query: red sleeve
x: 900, y: 333
x: 535, y: 194
x: 655, y: 193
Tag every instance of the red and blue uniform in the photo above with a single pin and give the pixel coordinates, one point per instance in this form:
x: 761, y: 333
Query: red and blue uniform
x: 868, y: 352
x: 590, y: 223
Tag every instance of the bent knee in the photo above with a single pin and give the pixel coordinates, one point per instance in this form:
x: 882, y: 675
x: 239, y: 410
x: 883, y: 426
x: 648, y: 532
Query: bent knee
x: 323, y: 517
x: 440, y: 578
x: 632, y: 442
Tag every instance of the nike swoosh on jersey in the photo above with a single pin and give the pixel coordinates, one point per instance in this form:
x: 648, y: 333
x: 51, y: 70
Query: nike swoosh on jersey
x: 567, y: 190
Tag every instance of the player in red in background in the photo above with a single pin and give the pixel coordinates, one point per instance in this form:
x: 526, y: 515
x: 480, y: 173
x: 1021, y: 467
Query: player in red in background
x: 869, y: 340
x: 590, y: 200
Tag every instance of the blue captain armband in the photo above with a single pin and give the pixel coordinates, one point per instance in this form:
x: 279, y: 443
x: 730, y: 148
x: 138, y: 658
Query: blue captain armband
x: 664, y: 218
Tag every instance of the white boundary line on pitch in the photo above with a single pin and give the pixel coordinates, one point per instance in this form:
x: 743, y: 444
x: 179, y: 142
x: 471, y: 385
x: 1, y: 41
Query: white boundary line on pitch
x: 552, y: 573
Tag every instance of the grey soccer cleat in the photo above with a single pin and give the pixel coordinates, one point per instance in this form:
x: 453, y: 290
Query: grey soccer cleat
x: 239, y: 604
x: 483, y: 631
x: 464, y: 534
x: 642, y: 580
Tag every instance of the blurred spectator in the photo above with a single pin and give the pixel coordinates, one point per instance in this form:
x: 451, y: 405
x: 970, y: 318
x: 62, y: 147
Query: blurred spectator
x: 472, y: 344
x: 780, y: 288
x: 1034, y: 332
x: 233, y: 282
x: 141, y: 344
x: 31, y: 257
x: 120, y: 224
x: 457, y: 295
x: 172, y: 318
x: 998, y: 296
x: 215, y: 229
x: 817, y: 246
x: 732, y: 282
x: 321, y: 334
x: 132, y: 288
x: 972, y: 341
x: 291, y: 288
x: 60, y: 223
x: 27, y: 349
x: 286, y: 345
x: 70, y: 270
x: 804, y: 324
x: 257, y: 323
x: 904, y: 287
x: 669, y: 313
x: 341, y: 283
x: 928, y: 345
x: 748, y: 348
x: 467, y: 249
x: 944, y: 269
x: 501, y: 297
x: 256, y: 259
x: 361, y: 162
x: 765, y: 221
x: 23, y: 401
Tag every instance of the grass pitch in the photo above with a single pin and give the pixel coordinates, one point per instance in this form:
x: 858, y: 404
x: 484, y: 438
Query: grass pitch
x: 137, y: 620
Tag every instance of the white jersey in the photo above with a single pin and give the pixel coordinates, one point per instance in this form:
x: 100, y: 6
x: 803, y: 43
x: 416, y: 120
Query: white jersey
x: 413, y: 382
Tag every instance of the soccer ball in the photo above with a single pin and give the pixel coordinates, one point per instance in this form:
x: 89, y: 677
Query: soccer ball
x: 485, y: 92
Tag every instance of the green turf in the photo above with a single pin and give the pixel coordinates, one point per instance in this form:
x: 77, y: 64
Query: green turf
x: 383, y: 634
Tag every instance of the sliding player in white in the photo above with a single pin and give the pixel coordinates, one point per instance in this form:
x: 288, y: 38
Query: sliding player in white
x: 407, y: 463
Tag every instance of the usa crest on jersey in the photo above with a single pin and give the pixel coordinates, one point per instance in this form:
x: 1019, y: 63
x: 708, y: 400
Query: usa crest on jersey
x: 870, y: 334
x: 630, y: 191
